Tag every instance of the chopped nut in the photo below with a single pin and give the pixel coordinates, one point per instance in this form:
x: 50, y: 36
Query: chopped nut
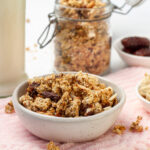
x: 9, y: 108
x: 52, y: 146
x: 119, y: 129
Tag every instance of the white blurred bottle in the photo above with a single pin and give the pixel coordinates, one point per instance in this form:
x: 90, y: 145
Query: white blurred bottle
x: 12, y: 44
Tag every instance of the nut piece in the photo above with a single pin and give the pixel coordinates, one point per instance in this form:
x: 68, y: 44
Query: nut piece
x: 9, y: 108
x: 52, y: 146
x: 135, y: 127
x: 119, y: 129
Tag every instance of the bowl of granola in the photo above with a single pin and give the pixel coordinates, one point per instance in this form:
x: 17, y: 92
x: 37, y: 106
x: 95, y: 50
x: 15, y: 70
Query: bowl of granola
x: 143, y: 92
x: 68, y: 107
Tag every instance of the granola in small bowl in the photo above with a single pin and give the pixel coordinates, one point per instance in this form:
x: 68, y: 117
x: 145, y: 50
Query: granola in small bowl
x: 68, y: 95
x: 68, y: 107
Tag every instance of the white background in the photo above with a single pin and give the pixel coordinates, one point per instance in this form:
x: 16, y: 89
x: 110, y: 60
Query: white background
x: 39, y: 62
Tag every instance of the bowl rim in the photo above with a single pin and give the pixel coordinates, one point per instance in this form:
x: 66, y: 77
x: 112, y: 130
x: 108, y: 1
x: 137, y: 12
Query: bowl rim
x: 70, y: 119
x: 139, y: 95
x: 118, y: 41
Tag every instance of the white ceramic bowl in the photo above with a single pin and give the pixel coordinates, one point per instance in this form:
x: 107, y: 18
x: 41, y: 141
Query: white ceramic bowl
x: 131, y: 60
x: 61, y: 129
x: 145, y: 103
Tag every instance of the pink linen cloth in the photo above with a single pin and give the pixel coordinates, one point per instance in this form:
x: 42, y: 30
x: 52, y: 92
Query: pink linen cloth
x: 13, y: 136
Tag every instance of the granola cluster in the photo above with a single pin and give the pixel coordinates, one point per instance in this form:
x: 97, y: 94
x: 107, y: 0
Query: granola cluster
x: 9, y: 108
x: 135, y: 127
x: 68, y: 95
x: 119, y: 129
x: 82, y: 45
x: 52, y: 146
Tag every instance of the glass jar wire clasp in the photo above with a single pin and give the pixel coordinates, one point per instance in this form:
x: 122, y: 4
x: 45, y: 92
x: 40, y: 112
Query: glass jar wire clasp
x: 51, y: 29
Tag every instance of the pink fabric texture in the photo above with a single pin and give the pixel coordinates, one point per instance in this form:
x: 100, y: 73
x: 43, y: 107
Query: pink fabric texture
x: 13, y: 136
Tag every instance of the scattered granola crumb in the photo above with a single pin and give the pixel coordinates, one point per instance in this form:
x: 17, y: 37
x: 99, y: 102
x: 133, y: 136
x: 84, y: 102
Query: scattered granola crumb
x: 27, y: 20
x: 135, y: 127
x: 119, y: 129
x: 35, y: 45
x: 27, y: 49
x: 9, y: 108
x: 52, y: 146
x: 146, y: 128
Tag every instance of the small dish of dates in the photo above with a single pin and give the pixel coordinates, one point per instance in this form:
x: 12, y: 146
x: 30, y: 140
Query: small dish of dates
x: 134, y: 50
x: 139, y: 46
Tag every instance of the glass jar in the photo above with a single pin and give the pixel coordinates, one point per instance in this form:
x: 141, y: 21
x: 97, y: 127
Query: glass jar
x: 82, y: 37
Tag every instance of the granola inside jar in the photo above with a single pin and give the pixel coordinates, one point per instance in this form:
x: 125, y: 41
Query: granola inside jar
x: 83, y: 39
x: 80, y: 34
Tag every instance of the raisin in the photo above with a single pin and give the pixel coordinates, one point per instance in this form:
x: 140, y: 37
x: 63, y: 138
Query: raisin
x: 32, y: 89
x: 135, y: 43
x: 143, y: 52
x: 53, y: 96
x: 34, y: 85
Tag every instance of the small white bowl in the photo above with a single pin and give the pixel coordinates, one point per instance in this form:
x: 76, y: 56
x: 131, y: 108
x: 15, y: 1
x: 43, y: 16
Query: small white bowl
x: 131, y: 60
x: 145, y: 102
x: 61, y: 129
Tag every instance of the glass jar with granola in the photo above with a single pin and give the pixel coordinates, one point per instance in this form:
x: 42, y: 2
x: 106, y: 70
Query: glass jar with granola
x: 82, y: 37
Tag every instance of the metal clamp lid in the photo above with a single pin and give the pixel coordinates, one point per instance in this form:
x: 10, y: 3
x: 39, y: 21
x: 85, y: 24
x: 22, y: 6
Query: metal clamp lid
x: 127, y: 6
x: 42, y: 41
x: 124, y: 10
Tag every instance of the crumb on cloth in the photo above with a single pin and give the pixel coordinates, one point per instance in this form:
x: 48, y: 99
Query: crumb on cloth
x: 9, y: 108
x: 119, y: 129
x: 135, y: 127
x: 52, y: 146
